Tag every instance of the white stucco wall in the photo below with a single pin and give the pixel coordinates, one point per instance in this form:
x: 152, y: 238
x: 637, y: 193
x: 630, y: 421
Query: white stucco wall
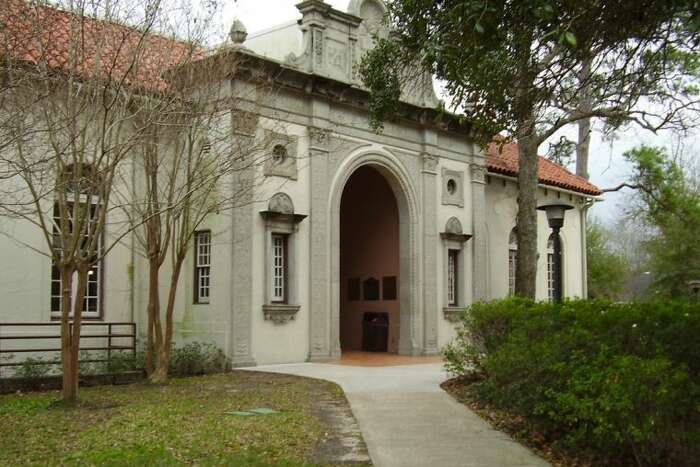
x: 421, y: 157
x: 501, y: 196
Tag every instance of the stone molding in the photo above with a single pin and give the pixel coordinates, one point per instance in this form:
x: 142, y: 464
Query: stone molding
x: 286, y: 168
x: 479, y: 173
x: 452, y: 313
x: 411, y: 327
x: 280, y: 218
x: 430, y: 164
x: 453, y: 231
x: 452, y: 187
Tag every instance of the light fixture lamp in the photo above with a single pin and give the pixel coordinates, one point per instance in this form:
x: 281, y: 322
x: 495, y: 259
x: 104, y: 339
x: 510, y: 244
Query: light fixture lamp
x: 555, y: 217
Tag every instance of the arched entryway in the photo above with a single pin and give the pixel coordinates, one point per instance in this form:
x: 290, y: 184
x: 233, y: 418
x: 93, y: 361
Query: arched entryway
x: 369, y: 263
x: 395, y: 174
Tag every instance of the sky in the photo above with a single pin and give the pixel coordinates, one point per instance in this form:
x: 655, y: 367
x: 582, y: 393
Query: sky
x: 607, y: 166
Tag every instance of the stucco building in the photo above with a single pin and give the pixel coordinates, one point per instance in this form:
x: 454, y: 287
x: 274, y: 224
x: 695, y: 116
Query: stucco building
x: 410, y: 224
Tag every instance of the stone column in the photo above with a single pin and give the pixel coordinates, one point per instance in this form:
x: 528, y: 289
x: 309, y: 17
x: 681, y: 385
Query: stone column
x: 480, y: 275
x: 319, y: 280
x: 243, y: 125
x: 430, y: 244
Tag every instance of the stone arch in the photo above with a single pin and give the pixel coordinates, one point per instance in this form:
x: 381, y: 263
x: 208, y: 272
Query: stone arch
x: 396, y: 175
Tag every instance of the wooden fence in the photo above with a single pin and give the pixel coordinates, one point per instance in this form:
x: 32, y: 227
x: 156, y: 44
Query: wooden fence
x: 17, y: 338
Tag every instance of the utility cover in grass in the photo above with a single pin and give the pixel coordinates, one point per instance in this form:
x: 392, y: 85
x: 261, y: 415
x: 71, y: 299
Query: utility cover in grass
x: 264, y: 411
x: 249, y: 413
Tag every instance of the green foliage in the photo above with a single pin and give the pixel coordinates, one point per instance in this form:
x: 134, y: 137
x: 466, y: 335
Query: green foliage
x: 622, y: 380
x: 33, y: 368
x: 561, y: 152
x: 383, y: 80
x: 607, y: 269
x: 671, y: 204
x: 124, y: 361
x: 197, y: 359
x: 512, y: 64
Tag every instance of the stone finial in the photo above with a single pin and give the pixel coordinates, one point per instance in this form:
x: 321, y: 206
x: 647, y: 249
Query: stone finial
x: 238, y: 32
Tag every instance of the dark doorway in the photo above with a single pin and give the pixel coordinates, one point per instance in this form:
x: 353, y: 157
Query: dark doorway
x: 369, y: 263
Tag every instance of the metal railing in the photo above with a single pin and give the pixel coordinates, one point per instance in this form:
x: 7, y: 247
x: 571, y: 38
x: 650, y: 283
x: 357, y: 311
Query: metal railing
x: 123, y: 331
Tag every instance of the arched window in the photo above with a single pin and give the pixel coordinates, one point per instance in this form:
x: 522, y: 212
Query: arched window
x: 512, y: 259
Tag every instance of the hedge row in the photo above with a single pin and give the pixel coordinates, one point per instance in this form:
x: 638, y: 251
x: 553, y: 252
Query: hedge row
x: 620, y: 380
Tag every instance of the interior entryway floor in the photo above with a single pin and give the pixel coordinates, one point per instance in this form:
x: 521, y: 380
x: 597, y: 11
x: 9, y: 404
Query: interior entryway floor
x: 406, y: 419
x: 373, y: 359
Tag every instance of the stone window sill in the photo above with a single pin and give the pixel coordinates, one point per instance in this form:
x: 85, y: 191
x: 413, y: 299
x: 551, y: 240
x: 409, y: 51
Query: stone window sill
x: 452, y: 313
x: 280, y: 313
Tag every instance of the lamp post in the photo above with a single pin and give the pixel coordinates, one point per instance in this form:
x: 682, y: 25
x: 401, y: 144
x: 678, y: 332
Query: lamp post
x: 555, y: 217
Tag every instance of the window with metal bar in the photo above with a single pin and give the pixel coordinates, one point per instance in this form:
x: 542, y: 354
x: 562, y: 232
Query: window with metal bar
x: 92, y: 298
x: 202, y: 266
x: 452, y: 277
x: 279, y: 268
x: 550, y: 268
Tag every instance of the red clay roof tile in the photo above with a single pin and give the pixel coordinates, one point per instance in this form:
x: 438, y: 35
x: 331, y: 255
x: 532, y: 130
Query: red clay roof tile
x: 503, y: 158
x: 107, y: 50
x: 40, y: 34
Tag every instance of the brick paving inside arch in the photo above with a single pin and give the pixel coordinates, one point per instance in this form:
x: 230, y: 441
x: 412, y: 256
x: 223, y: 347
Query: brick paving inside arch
x: 378, y: 359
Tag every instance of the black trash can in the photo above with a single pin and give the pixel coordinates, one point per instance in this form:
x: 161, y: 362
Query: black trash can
x: 375, y: 331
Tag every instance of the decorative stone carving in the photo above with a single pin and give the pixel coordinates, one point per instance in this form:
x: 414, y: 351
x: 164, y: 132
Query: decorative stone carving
x: 453, y: 226
x: 244, y: 123
x: 452, y: 187
x: 281, y: 160
x: 319, y: 137
x: 352, y: 45
x: 317, y: 39
x: 453, y: 231
x: 280, y: 313
x: 280, y: 211
x: 478, y: 173
x: 281, y: 203
x: 430, y: 163
x: 452, y: 313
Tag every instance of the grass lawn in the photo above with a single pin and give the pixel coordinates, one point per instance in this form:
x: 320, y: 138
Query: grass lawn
x: 181, y: 422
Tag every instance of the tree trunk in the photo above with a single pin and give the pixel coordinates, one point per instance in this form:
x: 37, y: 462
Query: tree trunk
x: 526, y: 265
x: 69, y: 391
x: 582, y: 148
x: 78, y: 304
x: 161, y: 371
x: 584, y: 126
x: 154, y: 335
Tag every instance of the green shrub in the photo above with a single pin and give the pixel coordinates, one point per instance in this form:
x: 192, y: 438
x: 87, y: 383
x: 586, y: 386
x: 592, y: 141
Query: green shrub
x: 123, y: 361
x: 33, y: 368
x: 620, y: 379
x: 197, y: 359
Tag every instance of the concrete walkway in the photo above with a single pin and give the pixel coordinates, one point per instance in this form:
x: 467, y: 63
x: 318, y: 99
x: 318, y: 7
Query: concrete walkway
x: 408, y: 420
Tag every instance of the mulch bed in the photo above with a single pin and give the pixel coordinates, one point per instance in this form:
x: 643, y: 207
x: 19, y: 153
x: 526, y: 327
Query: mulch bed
x: 518, y: 427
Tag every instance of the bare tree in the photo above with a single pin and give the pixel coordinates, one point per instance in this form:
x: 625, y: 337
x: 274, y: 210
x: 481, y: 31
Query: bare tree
x: 191, y: 166
x: 72, y: 114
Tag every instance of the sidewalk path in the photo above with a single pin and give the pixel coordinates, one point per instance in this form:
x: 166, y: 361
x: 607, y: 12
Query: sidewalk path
x: 408, y: 420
